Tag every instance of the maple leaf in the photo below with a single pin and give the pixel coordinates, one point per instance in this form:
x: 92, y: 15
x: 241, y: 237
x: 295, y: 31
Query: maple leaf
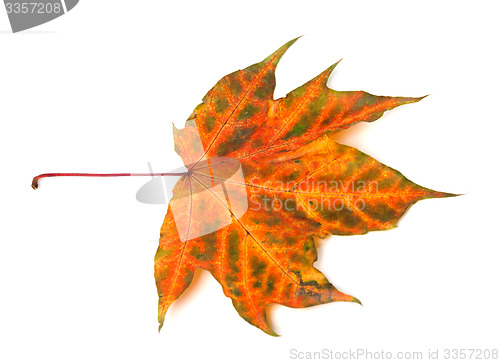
x: 298, y: 183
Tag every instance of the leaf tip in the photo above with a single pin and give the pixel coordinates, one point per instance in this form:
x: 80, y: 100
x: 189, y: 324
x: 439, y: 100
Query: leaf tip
x: 276, y: 56
x: 332, y: 67
x: 436, y: 194
x: 448, y: 195
x: 355, y: 300
x: 406, y: 100
x: 327, y: 72
x: 271, y: 332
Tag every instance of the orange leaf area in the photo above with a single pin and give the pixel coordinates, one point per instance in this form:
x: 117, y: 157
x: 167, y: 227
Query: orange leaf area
x: 264, y: 178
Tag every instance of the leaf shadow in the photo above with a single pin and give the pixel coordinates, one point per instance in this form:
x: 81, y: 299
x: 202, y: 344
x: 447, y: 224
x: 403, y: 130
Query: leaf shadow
x: 322, y: 264
x: 190, y: 295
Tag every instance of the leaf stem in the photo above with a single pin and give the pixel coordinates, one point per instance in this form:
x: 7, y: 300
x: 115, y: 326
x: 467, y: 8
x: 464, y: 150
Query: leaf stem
x: 34, y: 183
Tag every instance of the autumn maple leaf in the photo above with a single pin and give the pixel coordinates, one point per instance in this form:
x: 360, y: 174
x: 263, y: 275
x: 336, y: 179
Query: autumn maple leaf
x: 256, y: 235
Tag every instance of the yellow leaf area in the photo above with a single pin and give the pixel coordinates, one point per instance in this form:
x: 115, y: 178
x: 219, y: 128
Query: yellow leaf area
x: 297, y: 183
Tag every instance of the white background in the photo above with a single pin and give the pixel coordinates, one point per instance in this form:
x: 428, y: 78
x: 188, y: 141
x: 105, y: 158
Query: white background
x: 97, y: 90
